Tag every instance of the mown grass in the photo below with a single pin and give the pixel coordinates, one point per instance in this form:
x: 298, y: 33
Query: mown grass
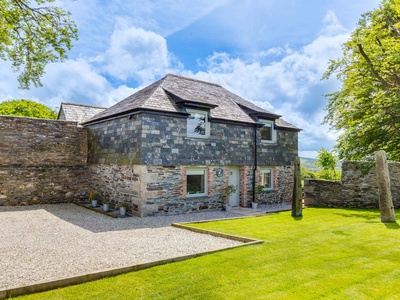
x: 326, y: 254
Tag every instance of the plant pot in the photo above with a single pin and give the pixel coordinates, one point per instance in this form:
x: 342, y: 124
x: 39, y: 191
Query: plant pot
x: 227, y: 208
x: 254, y: 205
x: 106, y: 206
x: 122, y: 211
x: 94, y: 203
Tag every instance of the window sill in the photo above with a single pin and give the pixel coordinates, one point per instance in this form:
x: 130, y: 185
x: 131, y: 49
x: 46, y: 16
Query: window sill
x: 191, y: 197
x: 197, y: 137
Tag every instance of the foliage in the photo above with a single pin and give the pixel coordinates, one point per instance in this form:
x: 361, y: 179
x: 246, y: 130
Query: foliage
x: 32, y: 34
x: 306, y: 173
x: 328, y: 161
x: 367, y: 107
x: 92, y: 196
x: 321, y: 256
x: 259, y: 191
x: 229, y: 190
x: 26, y: 108
x: 328, y: 174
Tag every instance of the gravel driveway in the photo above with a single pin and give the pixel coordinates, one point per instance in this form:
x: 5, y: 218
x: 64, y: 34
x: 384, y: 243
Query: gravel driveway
x: 47, y: 242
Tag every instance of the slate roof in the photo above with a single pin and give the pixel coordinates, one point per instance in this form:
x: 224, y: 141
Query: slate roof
x: 78, y: 112
x: 172, y: 93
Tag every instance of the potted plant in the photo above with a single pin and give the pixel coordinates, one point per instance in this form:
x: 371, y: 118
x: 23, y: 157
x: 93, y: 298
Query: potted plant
x: 259, y: 190
x: 227, y: 191
x: 122, y: 209
x: 106, y: 205
x: 93, y: 199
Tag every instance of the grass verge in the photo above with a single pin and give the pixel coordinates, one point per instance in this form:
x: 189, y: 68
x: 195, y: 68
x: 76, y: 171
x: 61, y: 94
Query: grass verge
x: 328, y: 253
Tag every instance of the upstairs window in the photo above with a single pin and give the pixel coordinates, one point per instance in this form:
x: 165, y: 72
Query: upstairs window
x: 266, y: 180
x: 197, y: 124
x: 268, y: 132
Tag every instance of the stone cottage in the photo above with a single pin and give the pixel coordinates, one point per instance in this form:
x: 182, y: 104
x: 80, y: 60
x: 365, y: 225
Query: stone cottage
x: 173, y: 147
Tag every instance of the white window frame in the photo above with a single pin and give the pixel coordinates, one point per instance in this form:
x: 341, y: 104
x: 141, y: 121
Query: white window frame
x: 197, y: 171
x: 270, y: 124
x: 207, y: 124
x: 271, y: 183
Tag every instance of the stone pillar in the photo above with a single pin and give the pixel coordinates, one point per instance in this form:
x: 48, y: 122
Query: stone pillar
x: 297, y: 205
x: 384, y: 193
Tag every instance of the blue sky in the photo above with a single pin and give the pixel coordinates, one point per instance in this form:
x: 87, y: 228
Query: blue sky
x: 271, y: 52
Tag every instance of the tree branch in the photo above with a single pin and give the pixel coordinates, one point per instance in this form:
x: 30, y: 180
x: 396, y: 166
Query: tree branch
x: 376, y: 74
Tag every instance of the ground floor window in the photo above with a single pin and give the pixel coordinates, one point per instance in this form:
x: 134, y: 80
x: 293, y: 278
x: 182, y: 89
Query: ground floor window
x: 196, y: 182
x: 267, y: 178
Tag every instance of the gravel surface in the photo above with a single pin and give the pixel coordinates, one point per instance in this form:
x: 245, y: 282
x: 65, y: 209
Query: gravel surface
x: 47, y: 242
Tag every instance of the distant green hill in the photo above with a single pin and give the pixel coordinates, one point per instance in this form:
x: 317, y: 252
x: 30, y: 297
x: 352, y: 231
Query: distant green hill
x: 309, y: 163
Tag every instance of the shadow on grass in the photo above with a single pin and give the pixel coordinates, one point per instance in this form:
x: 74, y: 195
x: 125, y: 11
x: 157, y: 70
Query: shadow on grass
x: 297, y: 218
x: 370, y: 215
x: 392, y: 225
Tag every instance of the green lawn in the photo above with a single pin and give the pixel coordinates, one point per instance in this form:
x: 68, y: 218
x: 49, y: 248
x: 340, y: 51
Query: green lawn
x: 326, y: 254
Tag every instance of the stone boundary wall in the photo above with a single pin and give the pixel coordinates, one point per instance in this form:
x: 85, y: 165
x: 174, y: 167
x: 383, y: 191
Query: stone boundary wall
x: 42, y: 161
x: 32, y: 142
x: 353, y: 191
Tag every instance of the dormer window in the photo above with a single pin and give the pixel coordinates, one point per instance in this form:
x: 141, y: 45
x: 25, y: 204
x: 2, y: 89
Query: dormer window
x: 197, y: 123
x: 268, y: 132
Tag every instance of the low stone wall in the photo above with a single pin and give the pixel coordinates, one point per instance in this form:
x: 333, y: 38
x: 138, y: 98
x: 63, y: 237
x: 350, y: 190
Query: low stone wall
x: 26, y: 186
x: 42, y: 161
x: 354, y: 190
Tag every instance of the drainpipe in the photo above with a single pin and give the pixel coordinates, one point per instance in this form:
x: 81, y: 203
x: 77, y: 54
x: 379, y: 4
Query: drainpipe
x: 255, y: 162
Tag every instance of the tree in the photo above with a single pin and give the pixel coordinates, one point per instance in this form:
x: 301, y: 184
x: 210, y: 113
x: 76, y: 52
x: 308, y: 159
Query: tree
x: 33, y: 35
x: 327, y: 161
x: 306, y: 173
x: 26, y: 108
x: 366, y: 110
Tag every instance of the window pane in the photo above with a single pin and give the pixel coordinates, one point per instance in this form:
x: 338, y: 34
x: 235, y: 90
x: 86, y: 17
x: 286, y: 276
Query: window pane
x: 195, y: 184
x: 196, y: 124
x: 266, y: 179
x: 266, y: 133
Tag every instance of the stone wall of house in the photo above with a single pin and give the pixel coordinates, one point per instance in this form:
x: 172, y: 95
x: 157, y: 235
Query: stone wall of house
x: 41, y: 161
x: 282, y: 153
x: 115, y: 141
x: 156, y: 139
x: 165, y: 143
x: 355, y: 190
x: 283, y: 187
x: 154, y: 190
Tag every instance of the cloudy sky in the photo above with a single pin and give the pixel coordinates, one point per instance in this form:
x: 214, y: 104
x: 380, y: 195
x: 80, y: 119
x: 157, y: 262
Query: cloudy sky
x: 272, y: 52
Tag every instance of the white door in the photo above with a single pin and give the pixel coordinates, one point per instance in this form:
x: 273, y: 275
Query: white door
x: 234, y: 179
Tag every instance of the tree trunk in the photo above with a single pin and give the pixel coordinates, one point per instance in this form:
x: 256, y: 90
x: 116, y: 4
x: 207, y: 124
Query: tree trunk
x: 384, y: 192
x: 297, y: 201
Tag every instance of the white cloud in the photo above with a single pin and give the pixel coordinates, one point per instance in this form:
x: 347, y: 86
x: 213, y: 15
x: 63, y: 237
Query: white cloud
x: 291, y: 85
x: 136, y: 54
x: 72, y: 81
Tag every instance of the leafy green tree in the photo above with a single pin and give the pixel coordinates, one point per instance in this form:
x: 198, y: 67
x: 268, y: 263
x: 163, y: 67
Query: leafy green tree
x: 327, y: 160
x: 26, y: 108
x: 306, y: 173
x: 33, y: 34
x: 366, y: 110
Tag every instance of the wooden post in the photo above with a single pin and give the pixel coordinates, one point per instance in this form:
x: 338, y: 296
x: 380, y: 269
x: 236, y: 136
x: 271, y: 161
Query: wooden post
x: 384, y: 192
x: 297, y: 201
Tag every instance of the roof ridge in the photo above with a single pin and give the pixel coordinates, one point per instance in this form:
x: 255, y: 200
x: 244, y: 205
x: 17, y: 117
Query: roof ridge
x: 193, y: 79
x: 84, y: 105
